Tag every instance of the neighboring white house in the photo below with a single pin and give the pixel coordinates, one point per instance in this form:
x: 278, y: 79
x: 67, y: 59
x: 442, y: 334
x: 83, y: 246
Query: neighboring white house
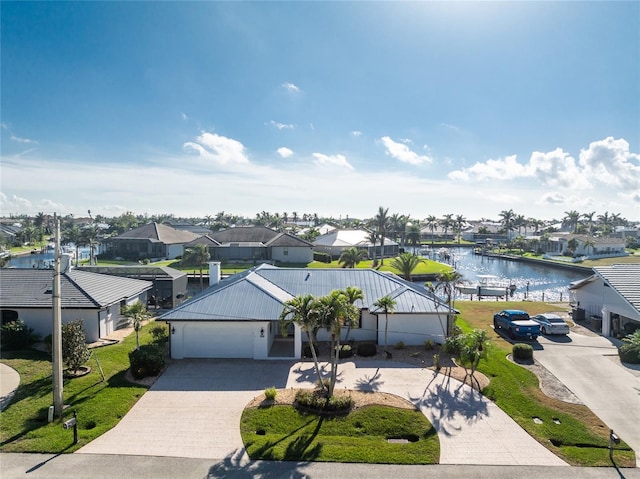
x: 26, y: 294
x: 238, y: 316
x: 337, y: 241
x: 589, y: 246
x: 612, y: 295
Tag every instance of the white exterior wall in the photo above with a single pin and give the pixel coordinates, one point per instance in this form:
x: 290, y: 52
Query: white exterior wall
x: 412, y: 329
x: 600, y: 300
x: 41, y: 320
x: 295, y: 254
x: 365, y: 332
x: 174, y: 250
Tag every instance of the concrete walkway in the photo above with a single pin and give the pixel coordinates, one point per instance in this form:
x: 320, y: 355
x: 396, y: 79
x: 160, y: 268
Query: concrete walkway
x: 193, y: 411
x: 9, y: 382
x: 589, y: 366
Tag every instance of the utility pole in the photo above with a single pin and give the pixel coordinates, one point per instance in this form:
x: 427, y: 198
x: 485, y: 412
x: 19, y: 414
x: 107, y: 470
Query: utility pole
x: 58, y: 401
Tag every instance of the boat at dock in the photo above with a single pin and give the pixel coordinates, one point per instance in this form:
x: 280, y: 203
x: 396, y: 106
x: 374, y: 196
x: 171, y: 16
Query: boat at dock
x: 487, y: 285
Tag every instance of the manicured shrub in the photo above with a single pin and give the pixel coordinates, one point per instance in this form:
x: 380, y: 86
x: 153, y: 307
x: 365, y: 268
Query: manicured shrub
x: 367, y: 350
x: 400, y: 345
x: 16, y: 335
x: 160, y: 333
x: 345, y: 351
x: 629, y: 353
x: 523, y: 352
x: 322, y: 257
x: 270, y: 393
x: 429, y: 345
x: 317, y: 401
x: 453, y: 344
x: 74, y: 345
x: 148, y: 360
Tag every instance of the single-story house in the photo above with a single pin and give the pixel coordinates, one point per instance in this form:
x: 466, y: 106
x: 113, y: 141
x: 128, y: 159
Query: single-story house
x: 585, y: 245
x: 152, y: 241
x: 336, y: 241
x: 254, y: 244
x: 27, y: 294
x: 169, y: 285
x: 238, y: 317
x: 611, y: 295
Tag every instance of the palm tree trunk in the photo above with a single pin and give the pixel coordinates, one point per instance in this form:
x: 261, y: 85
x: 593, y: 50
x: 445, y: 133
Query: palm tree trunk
x: 315, y: 360
x: 386, y: 327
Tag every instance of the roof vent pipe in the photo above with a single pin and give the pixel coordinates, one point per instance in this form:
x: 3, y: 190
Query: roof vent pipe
x: 214, y: 272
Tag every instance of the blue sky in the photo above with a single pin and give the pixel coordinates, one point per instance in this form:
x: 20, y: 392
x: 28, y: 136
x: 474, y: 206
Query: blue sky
x: 332, y: 108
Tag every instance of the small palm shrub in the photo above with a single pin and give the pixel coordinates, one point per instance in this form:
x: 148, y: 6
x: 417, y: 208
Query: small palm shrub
x: 345, y: 351
x: 429, y: 345
x: 400, y: 345
x: 16, y: 335
x: 270, y: 393
x: 630, y: 352
x: 147, y: 360
x: 453, y: 345
x: 367, y: 350
x: 523, y: 352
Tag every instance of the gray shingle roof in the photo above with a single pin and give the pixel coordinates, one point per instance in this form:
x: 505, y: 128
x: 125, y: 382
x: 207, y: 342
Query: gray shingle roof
x: 625, y: 279
x: 158, y: 233
x: 259, y: 293
x: 31, y: 288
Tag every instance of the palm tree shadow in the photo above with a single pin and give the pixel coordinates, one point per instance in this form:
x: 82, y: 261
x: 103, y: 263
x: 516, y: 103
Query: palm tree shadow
x: 446, y: 402
x: 372, y: 383
x: 307, y: 373
x: 237, y: 467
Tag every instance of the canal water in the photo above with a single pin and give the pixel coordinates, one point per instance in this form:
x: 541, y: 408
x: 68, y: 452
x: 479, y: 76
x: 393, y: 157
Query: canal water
x: 534, y: 282
x: 44, y: 260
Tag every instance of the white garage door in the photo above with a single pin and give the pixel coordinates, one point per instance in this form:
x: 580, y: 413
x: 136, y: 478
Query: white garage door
x: 218, y: 340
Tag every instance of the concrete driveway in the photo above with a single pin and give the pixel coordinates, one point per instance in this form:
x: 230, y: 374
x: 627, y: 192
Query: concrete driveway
x: 588, y: 365
x: 193, y: 410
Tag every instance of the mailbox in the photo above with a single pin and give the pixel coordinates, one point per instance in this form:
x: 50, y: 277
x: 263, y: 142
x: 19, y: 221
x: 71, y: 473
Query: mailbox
x: 68, y: 424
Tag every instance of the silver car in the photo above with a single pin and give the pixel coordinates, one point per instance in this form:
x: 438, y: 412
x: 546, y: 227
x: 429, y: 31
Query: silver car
x: 551, y: 323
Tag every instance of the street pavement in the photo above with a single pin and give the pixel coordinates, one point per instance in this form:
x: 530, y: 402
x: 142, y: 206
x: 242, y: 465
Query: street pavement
x: 82, y: 466
x: 589, y: 366
x: 193, y: 410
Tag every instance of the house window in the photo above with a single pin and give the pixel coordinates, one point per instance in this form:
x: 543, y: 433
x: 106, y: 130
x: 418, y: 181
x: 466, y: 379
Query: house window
x: 285, y: 251
x: 8, y: 315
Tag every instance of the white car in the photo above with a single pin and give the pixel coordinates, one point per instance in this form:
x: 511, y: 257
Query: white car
x: 551, y: 323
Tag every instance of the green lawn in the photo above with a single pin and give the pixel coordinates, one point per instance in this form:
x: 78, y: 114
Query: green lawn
x: 284, y: 433
x: 99, y: 404
x: 581, y: 438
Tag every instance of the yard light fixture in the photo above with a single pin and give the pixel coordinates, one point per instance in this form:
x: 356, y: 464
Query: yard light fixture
x: 173, y: 330
x: 262, y: 332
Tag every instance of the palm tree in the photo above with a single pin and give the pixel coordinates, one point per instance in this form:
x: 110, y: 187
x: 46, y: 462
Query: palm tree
x: 446, y: 223
x: 350, y: 257
x: 432, y: 223
x: 137, y: 313
x: 381, y: 221
x: 405, y: 263
x: 387, y: 304
x: 198, y: 255
x: 335, y: 312
x: 413, y: 234
x: 474, y: 348
x: 459, y: 222
x: 373, y: 238
x: 303, y: 311
x: 589, y: 244
x: 73, y: 236
x: 507, y: 217
x: 571, y: 219
x: 446, y: 281
x: 90, y: 237
x: 589, y: 217
x: 353, y: 294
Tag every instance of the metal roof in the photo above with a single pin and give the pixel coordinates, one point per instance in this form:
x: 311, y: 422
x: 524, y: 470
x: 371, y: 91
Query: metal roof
x: 157, y: 233
x: 260, y: 293
x: 139, y: 272
x: 32, y: 288
x: 625, y: 279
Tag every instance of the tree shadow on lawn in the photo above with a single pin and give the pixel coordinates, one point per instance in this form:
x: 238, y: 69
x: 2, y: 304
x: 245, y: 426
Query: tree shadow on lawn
x: 447, y: 400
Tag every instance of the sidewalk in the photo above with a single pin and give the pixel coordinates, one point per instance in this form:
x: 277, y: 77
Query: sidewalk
x: 9, y: 382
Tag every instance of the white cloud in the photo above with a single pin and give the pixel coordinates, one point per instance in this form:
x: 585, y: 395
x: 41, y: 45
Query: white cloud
x: 401, y: 152
x: 554, y: 198
x: 332, y: 160
x: 184, y: 116
x: 557, y: 168
x: 218, y: 149
x: 503, y: 169
x: 291, y: 87
x: 610, y: 162
x: 280, y: 126
x: 284, y: 152
x: 15, y: 138
x: 356, y: 133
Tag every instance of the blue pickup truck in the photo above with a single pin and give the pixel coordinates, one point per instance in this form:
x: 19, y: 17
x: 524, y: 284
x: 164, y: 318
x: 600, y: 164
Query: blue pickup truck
x: 516, y: 323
